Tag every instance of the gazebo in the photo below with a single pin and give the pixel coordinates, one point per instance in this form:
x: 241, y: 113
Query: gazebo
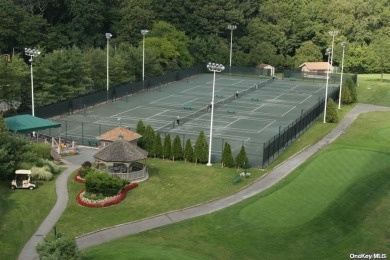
x: 123, y: 159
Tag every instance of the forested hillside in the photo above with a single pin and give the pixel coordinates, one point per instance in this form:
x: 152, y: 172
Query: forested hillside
x: 71, y: 36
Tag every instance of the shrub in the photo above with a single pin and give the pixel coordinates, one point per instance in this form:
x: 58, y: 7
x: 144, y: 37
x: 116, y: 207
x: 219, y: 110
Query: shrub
x: 157, y: 146
x: 41, y: 173
x: 346, y: 97
x: 227, y: 157
x: 201, y: 149
x: 102, y: 183
x: 242, y: 159
x: 167, y: 147
x: 83, y: 172
x: 86, y: 164
x: 41, y: 150
x: 188, y: 151
x: 52, y: 166
x: 62, y: 248
x: 177, y: 150
x: 148, y: 139
x: 331, y: 112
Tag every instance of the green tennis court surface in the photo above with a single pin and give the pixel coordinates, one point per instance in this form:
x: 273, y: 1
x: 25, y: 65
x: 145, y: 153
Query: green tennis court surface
x: 262, y: 109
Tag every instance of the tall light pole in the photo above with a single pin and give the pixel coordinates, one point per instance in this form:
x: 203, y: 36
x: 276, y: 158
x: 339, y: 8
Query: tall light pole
x: 333, y: 34
x: 108, y: 36
x: 214, y: 67
x: 343, y: 44
x: 328, y: 52
x: 143, y: 32
x: 231, y: 27
x: 32, y: 53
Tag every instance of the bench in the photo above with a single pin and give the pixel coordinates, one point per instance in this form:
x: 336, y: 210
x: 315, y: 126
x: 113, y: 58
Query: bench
x: 219, y: 96
x: 187, y: 106
x: 254, y: 98
x: 231, y: 111
x: 93, y: 143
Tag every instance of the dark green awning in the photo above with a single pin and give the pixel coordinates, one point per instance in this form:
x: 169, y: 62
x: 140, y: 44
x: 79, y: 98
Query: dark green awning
x: 28, y: 123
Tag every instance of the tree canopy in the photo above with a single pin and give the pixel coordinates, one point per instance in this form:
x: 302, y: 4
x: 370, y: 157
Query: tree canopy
x: 71, y: 36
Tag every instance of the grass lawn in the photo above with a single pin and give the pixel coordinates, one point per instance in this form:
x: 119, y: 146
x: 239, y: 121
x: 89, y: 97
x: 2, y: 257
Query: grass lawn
x: 333, y: 205
x: 372, y: 90
x: 171, y: 186
x: 21, y: 213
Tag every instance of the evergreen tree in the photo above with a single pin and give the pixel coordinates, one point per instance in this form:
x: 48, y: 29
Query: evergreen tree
x: 167, y: 147
x: 177, y: 150
x: 331, y: 112
x: 346, y: 97
x: 242, y: 159
x: 352, y: 88
x: 148, y: 138
x: 157, y: 146
x: 227, y: 157
x: 140, y: 129
x: 201, y: 149
x: 188, y: 151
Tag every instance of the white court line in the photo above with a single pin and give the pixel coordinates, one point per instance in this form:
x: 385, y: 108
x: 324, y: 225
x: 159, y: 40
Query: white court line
x: 160, y: 99
x: 306, y: 99
x: 294, y: 87
x: 278, y: 96
x: 256, y: 108
x: 288, y: 111
x: 192, y: 100
x: 117, y: 115
x: 191, y: 88
x: 237, y: 82
x: 232, y: 122
x: 266, y: 126
x: 320, y: 89
x: 157, y: 114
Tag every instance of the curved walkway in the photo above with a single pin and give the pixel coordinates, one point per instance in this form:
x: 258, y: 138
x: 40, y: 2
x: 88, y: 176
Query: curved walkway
x: 118, y: 231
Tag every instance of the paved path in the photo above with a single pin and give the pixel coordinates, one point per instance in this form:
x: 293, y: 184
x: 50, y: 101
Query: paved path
x: 118, y: 231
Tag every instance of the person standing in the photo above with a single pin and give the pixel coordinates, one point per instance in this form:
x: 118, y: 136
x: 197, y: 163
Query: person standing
x: 178, y: 120
x: 236, y: 94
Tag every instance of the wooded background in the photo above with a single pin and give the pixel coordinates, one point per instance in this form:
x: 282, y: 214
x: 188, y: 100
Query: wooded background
x: 71, y: 36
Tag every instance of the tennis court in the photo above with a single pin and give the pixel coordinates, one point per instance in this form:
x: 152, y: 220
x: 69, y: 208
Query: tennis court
x: 263, y: 107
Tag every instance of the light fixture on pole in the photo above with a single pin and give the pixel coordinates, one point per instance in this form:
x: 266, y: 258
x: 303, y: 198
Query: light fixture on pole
x: 231, y: 27
x: 32, y: 53
x: 343, y: 44
x: 108, y: 36
x: 333, y: 34
x: 143, y: 32
x: 214, y: 67
x: 328, y: 52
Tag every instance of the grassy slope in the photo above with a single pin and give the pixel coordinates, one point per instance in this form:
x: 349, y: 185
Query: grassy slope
x: 323, y: 210
x: 21, y: 212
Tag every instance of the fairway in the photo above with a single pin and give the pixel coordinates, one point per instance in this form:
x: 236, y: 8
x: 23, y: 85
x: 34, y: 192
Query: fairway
x: 326, y: 209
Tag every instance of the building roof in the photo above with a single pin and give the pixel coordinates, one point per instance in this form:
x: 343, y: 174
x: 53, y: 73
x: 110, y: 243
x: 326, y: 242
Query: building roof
x: 264, y: 66
x: 121, y: 151
x: 115, y: 133
x: 28, y: 123
x: 314, y: 66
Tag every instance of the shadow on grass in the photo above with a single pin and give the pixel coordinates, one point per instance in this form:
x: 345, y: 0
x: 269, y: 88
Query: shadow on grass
x: 356, y: 203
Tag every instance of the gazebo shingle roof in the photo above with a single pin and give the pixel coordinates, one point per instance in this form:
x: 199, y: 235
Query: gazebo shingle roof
x: 121, y: 151
x: 125, y: 134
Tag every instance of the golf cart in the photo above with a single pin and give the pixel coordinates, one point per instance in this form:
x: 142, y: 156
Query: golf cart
x: 23, y: 180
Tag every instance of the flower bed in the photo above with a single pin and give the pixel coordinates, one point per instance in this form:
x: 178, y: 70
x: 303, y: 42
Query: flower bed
x: 108, y: 201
